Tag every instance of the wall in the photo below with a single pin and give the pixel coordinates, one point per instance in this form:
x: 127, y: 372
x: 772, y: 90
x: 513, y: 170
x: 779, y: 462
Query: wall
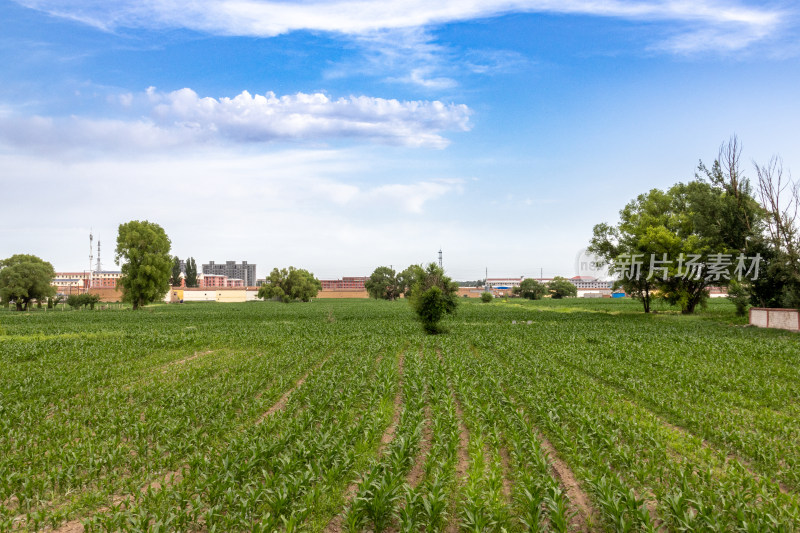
x: 788, y: 319
x: 343, y: 294
x: 107, y: 294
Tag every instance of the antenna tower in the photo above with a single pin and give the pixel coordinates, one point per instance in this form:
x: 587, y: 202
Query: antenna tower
x: 440, y: 258
x: 91, y: 259
x: 98, y: 268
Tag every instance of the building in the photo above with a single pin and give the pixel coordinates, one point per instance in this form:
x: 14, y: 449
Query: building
x: 353, y: 283
x: 503, y: 283
x: 75, y: 282
x: 232, y: 270
x: 106, y: 279
x: 588, y: 282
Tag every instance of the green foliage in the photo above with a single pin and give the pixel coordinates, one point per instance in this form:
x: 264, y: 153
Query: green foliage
x: 486, y: 297
x: 24, y: 278
x: 77, y: 301
x: 289, y: 285
x: 531, y: 289
x: 433, y: 295
x: 191, y: 273
x: 175, y: 278
x: 143, y: 247
x: 408, y: 277
x: 382, y: 284
x: 712, y: 215
x: 740, y: 296
x: 560, y: 287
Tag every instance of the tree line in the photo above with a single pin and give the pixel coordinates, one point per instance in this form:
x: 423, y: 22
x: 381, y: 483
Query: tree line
x: 717, y: 230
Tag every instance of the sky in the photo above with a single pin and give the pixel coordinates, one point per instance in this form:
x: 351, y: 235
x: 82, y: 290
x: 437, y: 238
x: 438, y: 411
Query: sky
x: 343, y: 135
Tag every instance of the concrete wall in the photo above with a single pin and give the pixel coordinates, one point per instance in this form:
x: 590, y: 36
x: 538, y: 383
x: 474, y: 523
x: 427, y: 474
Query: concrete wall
x: 343, y: 294
x: 763, y: 317
x: 231, y: 295
x: 201, y: 295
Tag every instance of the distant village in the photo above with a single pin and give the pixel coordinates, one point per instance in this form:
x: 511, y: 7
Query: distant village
x: 237, y: 282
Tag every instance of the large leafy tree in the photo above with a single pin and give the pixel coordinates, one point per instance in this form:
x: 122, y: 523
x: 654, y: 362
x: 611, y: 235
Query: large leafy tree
x: 143, y: 248
x: 433, y: 295
x: 24, y: 278
x: 560, y: 287
x: 408, y: 277
x: 531, y: 289
x: 683, y: 240
x: 290, y: 284
x: 191, y: 272
x: 382, y: 284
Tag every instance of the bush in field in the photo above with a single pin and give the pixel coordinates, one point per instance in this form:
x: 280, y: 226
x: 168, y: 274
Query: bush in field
x: 433, y: 295
x: 486, y: 297
x: 82, y: 300
x: 289, y: 285
x: 561, y: 288
x: 531, y: 289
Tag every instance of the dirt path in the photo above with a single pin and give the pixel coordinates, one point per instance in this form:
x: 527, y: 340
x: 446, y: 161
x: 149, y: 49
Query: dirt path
x: 167, y: 480
x: 166, y: 367
x: 336, y: 525
x: 281, y: 403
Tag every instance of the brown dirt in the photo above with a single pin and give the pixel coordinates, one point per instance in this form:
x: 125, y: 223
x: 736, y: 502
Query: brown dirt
x: 167, y: 480
x: 183, y: 361
x: 505, y: 460
x: 281, y: 403
x: 577, y: 497
x: 462, y: 464
x: 418, y: 469
x: 336, y: 525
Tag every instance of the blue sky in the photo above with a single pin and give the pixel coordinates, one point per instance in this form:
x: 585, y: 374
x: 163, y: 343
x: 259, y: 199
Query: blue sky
x: 343, y: 135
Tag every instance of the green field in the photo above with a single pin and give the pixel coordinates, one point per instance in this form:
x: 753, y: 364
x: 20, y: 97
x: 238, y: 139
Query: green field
x: 342, y: 415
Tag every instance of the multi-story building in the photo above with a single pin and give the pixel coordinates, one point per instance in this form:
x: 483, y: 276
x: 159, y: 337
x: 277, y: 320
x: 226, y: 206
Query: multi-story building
x: 232, y: 270
x: 504, y: 283
x: 72, y: 282
x: 345, y: 284
x: 588, y: 282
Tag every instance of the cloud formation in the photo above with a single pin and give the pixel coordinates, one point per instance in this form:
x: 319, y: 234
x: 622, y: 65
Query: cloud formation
x: 732, y: 24
x: 184, y: 118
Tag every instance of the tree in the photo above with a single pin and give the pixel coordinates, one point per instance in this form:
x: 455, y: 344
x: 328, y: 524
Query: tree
x: 175, y: 278
x: 143, y: 247
x: 289, y: 285
x: 383, y: 284
x: 531, y: 289
x: 560, y: 287
x: 780, y: 200
x: 24, y: 278
x: 681, y: 241
x: 408, y: 277
x: 432, y: 296
x: 191, y: 273
x: 486, y: 297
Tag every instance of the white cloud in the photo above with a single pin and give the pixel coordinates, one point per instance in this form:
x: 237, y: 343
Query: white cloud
x: 266, y: 18
x: 322, y: 209
x: 184, y: 118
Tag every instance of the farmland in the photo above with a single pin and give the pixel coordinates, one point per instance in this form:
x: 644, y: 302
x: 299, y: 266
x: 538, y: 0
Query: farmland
x: 344, y: 416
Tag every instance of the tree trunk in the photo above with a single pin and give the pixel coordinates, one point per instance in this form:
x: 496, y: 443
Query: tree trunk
x: 19, y: 305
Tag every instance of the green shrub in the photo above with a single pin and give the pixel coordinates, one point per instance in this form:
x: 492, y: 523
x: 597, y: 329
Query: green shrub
x: 486, y: 297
